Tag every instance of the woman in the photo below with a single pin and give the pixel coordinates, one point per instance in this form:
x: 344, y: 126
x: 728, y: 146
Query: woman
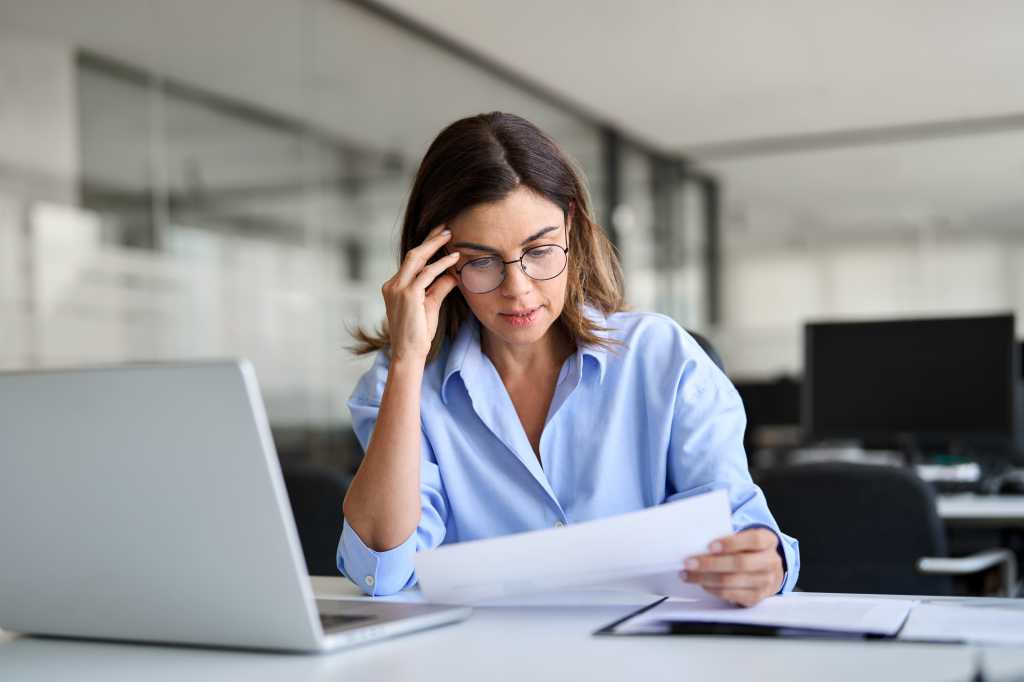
x: 511, y: 392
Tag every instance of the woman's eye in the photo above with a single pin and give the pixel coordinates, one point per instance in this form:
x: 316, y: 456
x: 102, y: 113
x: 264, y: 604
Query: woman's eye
x: 541, y: 252
x: 482, y: 263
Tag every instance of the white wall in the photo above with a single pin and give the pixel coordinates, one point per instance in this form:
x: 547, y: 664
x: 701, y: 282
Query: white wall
x: 38, y: 118
x: 771, y: 291
x: 38, y: 161
x: 919, y: 227
x: 207, y: 296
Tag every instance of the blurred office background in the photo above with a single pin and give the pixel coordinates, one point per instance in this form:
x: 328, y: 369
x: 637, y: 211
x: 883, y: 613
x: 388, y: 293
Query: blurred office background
x: 192, y: 179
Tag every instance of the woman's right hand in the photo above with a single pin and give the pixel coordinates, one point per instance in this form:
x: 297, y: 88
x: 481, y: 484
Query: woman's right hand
x: 413, y: 297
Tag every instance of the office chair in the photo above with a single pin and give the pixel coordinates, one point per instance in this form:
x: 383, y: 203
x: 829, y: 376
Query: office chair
x: 871, y: 529
x: 316, y: 494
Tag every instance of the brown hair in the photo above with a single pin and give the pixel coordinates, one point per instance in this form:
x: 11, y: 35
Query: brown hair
x: 479, y: 160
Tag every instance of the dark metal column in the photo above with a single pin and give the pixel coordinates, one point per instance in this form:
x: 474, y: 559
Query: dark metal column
x: 712, y: 248
x: 611, y: 157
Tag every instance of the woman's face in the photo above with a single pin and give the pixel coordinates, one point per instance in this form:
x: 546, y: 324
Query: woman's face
x: 521, y: 309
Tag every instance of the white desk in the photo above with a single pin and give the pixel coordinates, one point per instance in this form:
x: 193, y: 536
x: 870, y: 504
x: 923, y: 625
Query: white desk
x: 516, y: 644
x: 982, y: 510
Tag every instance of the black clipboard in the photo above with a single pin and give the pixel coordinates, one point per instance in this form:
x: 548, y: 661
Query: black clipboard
x: 734, y: 629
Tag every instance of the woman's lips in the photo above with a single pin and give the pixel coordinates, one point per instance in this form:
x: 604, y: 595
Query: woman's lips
x: 520, y: 321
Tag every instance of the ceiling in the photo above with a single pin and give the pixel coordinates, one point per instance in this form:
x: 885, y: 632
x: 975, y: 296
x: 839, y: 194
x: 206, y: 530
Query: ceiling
x: 700, y: 76
x: 686, y: 73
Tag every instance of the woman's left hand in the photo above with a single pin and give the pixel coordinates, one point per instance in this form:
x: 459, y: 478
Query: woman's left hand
x: 743, y: 568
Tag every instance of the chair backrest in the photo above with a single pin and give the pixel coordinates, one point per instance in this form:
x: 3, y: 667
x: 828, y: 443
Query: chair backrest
x: 316, y: 494
x: 861, y: 527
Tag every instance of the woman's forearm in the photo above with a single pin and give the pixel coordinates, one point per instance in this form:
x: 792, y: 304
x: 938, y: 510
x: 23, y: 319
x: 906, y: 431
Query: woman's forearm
x: 383, y: 502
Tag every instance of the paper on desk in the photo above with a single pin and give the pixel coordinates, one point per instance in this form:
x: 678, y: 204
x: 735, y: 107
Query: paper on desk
x: 973, y: 624
x: 830, y: 614
x: 639, y: 551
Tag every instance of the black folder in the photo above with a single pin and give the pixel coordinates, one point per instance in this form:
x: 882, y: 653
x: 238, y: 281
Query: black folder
x: 676, y: 627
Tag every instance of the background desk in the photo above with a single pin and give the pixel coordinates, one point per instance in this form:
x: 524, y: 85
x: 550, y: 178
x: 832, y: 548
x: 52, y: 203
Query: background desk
x: 1003, y: 511
x: 515, y: 644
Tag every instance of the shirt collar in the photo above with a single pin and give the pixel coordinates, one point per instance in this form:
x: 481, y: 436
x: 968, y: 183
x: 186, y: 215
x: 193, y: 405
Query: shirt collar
x: 466, y: 347
x: 466, y: 341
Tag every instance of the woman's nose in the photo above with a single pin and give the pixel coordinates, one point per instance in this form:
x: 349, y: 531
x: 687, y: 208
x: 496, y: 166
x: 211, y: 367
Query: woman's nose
x: 516, y: 282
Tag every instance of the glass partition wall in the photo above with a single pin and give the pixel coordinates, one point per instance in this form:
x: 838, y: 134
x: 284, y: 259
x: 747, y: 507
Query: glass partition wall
x: 194, y: 180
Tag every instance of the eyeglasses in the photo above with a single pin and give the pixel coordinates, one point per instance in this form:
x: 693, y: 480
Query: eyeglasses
x: 483, y: 275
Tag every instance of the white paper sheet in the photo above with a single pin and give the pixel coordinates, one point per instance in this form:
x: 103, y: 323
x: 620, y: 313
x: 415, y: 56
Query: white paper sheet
x: 974, y: 624
x: 641, y: 551
x: 830, y: 614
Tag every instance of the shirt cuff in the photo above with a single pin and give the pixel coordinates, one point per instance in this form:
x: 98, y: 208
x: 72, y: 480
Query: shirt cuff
x: 787, y: 549
x: 376, y: 573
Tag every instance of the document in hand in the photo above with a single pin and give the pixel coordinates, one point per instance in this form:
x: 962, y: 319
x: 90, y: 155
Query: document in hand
x: 792, y: 614
x: 642, y: 550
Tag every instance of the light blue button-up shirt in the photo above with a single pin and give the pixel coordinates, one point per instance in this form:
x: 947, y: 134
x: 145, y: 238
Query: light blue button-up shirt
x: 631, y: 427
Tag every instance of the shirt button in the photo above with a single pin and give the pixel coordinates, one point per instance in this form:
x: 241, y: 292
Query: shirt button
x: 558, y: 524
x: 368, y: 580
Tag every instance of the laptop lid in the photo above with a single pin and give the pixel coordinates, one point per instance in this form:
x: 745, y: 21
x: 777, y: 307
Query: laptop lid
x: 146, y: 503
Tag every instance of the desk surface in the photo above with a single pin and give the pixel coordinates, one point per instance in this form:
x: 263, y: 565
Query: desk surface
x: 520, y: 644
x: 995, y: 510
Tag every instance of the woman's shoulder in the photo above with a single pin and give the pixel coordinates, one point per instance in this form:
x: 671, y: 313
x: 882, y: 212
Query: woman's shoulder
x: 658, y: 347
x: 648, y: 331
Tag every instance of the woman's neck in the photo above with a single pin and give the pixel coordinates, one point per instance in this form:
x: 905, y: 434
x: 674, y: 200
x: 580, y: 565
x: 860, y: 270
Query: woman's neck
x: 541, y: 358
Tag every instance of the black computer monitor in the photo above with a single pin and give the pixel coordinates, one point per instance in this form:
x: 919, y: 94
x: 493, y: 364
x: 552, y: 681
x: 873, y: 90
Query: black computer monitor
x: 929, y: 379
x: 768, y: 405
x: 771, y: 403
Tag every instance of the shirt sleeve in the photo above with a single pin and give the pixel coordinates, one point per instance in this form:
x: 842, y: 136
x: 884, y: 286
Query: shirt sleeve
x: 706, y: 453
x: 392, y: 570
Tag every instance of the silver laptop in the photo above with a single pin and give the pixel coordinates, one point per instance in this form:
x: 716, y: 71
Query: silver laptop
x: 146, y: 503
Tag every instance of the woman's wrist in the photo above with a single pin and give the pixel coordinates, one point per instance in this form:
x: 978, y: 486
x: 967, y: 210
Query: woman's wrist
x: 410, y: 366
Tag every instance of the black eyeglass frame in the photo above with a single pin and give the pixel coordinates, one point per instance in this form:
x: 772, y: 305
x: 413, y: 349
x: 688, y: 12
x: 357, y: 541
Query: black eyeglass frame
x: 522, y: 266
